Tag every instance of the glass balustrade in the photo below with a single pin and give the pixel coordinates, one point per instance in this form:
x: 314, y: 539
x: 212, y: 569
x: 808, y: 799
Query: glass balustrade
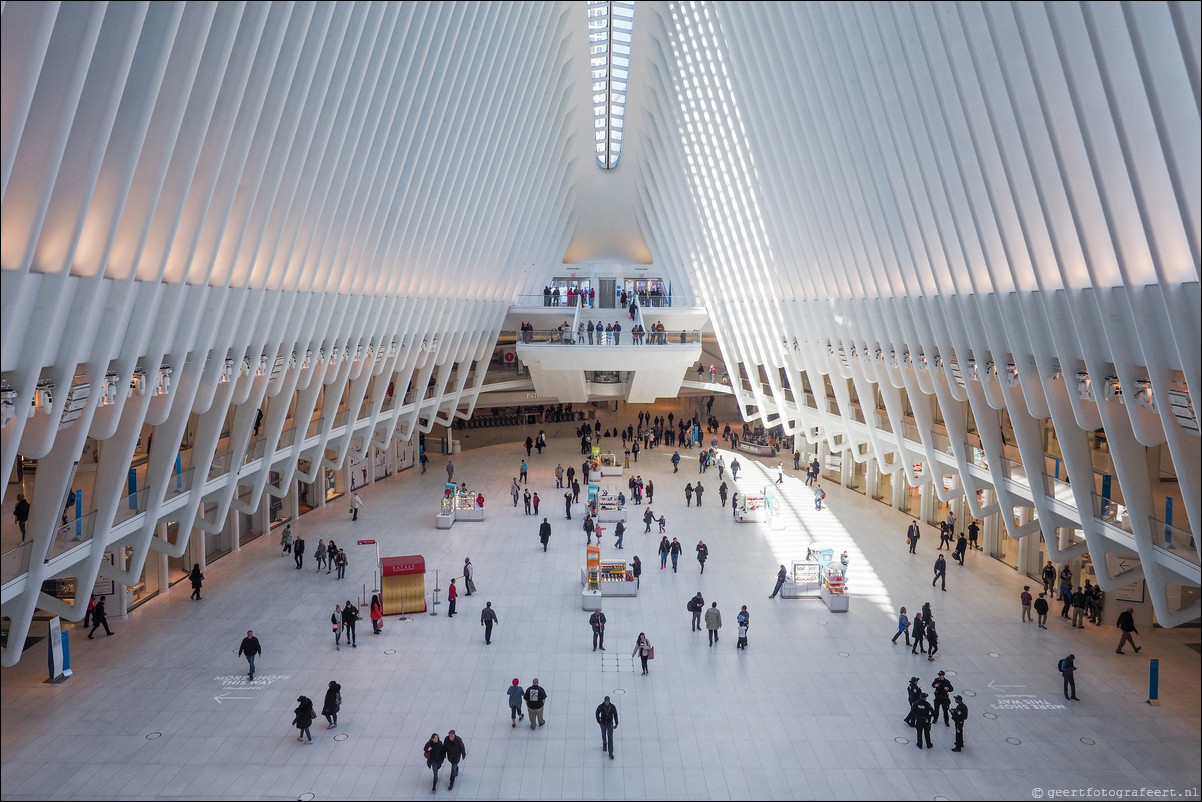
x: 1110, y: 511
x: 1174, y: 539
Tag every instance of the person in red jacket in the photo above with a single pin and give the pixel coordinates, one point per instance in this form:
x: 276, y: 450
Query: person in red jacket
x: 452, y: 595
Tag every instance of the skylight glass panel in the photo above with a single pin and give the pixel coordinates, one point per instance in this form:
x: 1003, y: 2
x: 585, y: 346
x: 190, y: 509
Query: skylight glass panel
x: 610, y: 29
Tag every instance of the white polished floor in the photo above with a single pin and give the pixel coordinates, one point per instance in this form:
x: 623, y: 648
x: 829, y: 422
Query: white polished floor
x: 812, y: 710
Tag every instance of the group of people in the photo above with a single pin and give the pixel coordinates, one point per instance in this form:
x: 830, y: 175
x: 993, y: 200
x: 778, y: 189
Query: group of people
x: 923, y: 713
x: 326, y: 555
x: 922, y: 630
x: 304, y: 714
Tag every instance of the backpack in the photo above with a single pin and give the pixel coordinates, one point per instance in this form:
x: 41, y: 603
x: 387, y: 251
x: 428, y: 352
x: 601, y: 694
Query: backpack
x: 338, y: 698
x: 1060, y: 666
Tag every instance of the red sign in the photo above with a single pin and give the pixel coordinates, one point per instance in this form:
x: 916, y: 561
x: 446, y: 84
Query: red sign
x: 366, y: 542
x: 399, y: 566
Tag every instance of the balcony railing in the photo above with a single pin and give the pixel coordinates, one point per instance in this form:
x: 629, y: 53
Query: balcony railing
x: 603, y: 338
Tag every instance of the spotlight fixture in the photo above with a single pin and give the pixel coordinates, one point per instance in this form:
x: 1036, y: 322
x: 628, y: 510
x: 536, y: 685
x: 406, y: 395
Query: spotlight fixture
x: 164, y: 382
x: 308, y: 361
x: 227, y: 370
x: 1114, y: 388
x: 111, y: 380
x: 137, y: 382
x: 1011, y: 374
x: 263, y: 365
x: 8, y: 405
x: 973, y: 373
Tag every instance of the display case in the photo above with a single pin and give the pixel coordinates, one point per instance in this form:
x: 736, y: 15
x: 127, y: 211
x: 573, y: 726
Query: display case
x: 806, y: 581
x: 834, y: 587
x: 611, y: 465
x: 613, y: 578
x: 752, y: 508
x: 608, y: 508
x: 459, y: 504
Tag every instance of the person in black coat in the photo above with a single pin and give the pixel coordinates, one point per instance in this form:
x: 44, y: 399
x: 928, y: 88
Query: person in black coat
x: 332, y: 704
x: 196, y: 577
x: 943, y: 699
x: 544, y: 533
x: 456, y: 751
x: 303, y: 717
x: 607, y: 719
x: 919, y: 633
x: 913, y: 694
x: 435, y: 753
x: 298, y: 552
x: 100, y: 619
x: 959, y: 716
x: 703, y: 553
x: 1067, y: 666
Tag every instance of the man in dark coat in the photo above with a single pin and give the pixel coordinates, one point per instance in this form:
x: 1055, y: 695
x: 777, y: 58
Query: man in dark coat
x: 544, y: 533
x: 100, y: 619
x: 456, y: 751
x: 607, y: 718
x: 921, y: 714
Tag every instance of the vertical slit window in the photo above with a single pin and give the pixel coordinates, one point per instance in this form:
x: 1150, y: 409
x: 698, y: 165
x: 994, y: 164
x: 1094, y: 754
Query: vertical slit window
x: 610, y: 25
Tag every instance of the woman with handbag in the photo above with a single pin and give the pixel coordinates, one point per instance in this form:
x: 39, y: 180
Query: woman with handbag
x: 377, y: 615
x: 435, y: 753
x: 644, y: 650
x: 197, y: 578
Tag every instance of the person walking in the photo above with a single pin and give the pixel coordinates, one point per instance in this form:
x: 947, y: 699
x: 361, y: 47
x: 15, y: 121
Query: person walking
x: 87, y: 614
x: 940, y: 571
x: 452, y: 595
x: 450, y: 472
x: 302, y: 718
x: 488, y: 617
x: 286, y: 540
x: 456, y: 751
x: 529, y: 444
x: 961, y: 548
x: 664, y: 548
x: 713, y: 622
x: 526, y: 500
x: 636, y: 568
x: 1068, y: 666
x: 974, y: 531
x: 424, y: 460
x: 535, y: 697
x: 903, y: 627
x: 597, y: 622
x: 469, y: 571
x: 688, y: 494
x: 332, y: 704
x: 336, y: 623
x: 734, y: 469
x: 912, y: 535
x: 722, y: 493
x: 1079, y: 602
x: 699, y: 490
x: 932, y: 640
x: 100, y: 619
x: 435, y: 753
x: 516, y: 693
x: 522, y: 472
x: 559, y: 475
x: 703, y: 553
x: 331, y: 553
x: 589, y: 528
x: 922, y: 716
x: 650, y: 491
x: 319, y: 556
x: 535, y: 500
x: 695, y: 606
x: 781, y: 576
x: 743, y: 619
x: 918, y: 632
x: 356, y: 505
x: 567, y: 504
x: 21, y: 514
x: 340, y: 562
x: 1041, y: 611
x: 298, y: 552
x: 544, y: 533
x: 648, y: 519
x: 376, y: 613
x: 196, y: 578
x: 644, y: 649
x: 1126, y: 624
x: 959, y: 716
x: 1024, y: 599
x: 819, y: 496
x: 619, y: 533
x: 675, y: 550
x: 607, y: 718
x: 515, y: 490
x: 913, y: 694
x: 943, y: 697
x: 350, y: 614
x: 663, y: 524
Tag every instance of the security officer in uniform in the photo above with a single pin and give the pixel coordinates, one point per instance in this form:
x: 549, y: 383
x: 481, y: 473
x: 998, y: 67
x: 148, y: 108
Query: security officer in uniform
x: 959, y: 715
x: 922, y: 715
x: 943, y: 700
x: 913, y: 694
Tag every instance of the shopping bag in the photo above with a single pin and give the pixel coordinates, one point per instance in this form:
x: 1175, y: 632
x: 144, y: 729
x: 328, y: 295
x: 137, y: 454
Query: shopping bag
x: 651, y: 653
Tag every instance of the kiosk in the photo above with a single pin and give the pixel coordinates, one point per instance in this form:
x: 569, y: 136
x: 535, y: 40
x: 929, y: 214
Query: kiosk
x: 807, y: 581
x: 834, y: 587
x: 611, y: 465
x: 608, y: 509
x: 403, y: 584
x: 613, y: 578
x: 752, y: 508
x: 459, y: 504
x: 590, y: 597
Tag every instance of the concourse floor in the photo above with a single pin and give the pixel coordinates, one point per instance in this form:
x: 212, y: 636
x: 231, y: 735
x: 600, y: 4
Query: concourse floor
x: 811, y: 710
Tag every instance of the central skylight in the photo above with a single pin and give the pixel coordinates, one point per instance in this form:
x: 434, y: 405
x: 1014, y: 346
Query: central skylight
x: 609, y: 31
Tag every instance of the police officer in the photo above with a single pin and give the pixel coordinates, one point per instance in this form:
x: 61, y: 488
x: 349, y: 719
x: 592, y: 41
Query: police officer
x: 922, y: 715
x: 913, y: 694
x: 943, y: 689
x: 959, y: 715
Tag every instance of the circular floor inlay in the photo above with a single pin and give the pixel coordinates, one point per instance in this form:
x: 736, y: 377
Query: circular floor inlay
x: 342, y: 736
x: 618, y: 691
x: 390, y: 651
x: 969, y: 694
x: 844, y: 654
x: 150, y: 736
x: 1013, y: 741
x: 994, y: 654
x: 1088, y: 741
x: 950, y: 673
x: 901, y: 740
x: 823, y: 621
x: 307, y: 796
x: 990, y: 716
